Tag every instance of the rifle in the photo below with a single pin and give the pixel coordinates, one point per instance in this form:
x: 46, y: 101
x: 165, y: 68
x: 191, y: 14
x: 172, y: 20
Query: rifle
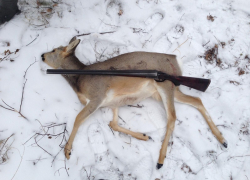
x: 195, y: 83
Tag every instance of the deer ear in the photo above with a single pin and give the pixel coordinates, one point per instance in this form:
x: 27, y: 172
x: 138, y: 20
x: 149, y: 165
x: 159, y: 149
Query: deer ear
x: 72, y: 46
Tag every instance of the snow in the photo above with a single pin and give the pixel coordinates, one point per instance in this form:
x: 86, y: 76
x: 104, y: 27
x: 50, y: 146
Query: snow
x: 117, y: 27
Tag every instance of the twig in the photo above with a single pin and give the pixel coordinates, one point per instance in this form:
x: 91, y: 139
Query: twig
x: 111, y: 130
x: 41, y: 125
x: 181, y: 44
x: 7, y: 108
x: 20, y: 108
x: 52, y: 125
x: 8, y: 105
x: 7, y: 54
x: 210, y: 162
x: 41, y: 147
x: 138, y: 106
x: 217, y: 39
x: 58, y: 171
x: 25, y: 72
x: 6, y: 142
x: 33, y: 40
x: 109, y: 32
x: 113, y: 26
x: 86, y: 34
x: 206, y: 43
x: 146, y: 41
x: 65, y: 166
x: 29, y: 139
x: 181, y: 17
x: 88, y: 175
x: 37, y: 160
x: 20, y: 161
x: 22, y: 100
x: 55, y: 157
x: 122, y: 119
x: 238, y: 156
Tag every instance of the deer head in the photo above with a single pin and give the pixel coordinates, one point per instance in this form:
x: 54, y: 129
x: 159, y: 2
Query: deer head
x: 63, y: 57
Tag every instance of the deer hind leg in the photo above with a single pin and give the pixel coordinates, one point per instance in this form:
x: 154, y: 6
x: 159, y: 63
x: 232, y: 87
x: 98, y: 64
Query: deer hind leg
x: 197, y: 103
x: 114, y: 125
x: 80, y: 118
x: 166, y: 91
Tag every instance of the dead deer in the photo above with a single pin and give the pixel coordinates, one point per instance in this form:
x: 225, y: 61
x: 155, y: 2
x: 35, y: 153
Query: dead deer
x: 115, y: 91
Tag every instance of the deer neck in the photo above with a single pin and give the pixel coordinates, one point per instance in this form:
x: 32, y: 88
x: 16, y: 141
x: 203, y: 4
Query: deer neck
x: 72, y: 62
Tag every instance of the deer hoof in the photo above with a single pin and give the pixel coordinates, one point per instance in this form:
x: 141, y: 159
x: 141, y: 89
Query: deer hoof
x: 149, y: 137
x: 225, y: 144
x: 158, y: 166
x: 67, y: 152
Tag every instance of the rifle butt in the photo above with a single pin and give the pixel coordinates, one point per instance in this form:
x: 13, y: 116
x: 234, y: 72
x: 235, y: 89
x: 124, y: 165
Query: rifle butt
x: 195, y: 83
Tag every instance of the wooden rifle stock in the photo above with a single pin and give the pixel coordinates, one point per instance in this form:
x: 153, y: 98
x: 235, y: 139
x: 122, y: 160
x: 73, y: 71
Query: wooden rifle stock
x: 195, y: 83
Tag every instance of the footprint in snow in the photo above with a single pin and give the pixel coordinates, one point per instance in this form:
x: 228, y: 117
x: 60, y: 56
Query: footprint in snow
x: 143, y: 169
x: 105, y: 166
x: 175, y: 33
x: 144, y: 27
x: 153, y: 21
x: 103, y: 160
x: 96, y: 139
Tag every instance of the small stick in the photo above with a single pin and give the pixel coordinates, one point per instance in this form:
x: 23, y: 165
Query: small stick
x: 206, y: 43
x: 33, y: 40
x: 65, y: 166
x: 238, y: 156
x: 111, y: 130
x: 22, y: 100
x: 6, y: 142
x: 138, y: 106
x: 6, y: 108
x: 86, y: 34
x: 41, y: 147
x: 181, y: 45
x: 20, y: 161
x: 122, y: 119
x: 28, y: 69
x: 41, y: 125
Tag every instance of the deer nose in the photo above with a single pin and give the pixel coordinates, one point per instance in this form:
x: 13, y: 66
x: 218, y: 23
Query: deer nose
x: 43, y: 57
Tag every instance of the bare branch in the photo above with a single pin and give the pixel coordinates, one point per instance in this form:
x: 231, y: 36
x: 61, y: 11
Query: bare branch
x: 42, y: 148
x: 20, y: 108
x: 86, y: 34
x: 6, y: 142
x: 20, y: 161
x: 33, y: 40
x: 22, y: 98
x: 180, y: 45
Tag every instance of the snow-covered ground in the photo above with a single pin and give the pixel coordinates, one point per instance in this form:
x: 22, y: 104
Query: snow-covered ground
x: 211, y: 37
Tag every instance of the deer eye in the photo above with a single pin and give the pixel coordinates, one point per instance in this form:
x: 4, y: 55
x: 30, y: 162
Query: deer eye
x: 53, y: 51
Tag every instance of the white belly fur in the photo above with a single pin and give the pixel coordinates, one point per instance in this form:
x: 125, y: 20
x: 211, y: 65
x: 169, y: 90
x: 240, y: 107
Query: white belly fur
x: 115, y: 100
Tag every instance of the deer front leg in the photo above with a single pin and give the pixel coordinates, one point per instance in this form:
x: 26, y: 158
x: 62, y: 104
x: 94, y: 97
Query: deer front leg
x: 166, y: 91
x: 80, y: 118
x: 114, y: 125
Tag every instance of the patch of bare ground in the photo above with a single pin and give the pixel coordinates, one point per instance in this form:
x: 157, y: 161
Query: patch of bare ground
x: 242, y: 63
x: 211, y: 18
x: 211, y: 55
x: 7, y: 55
x: 186, y: 169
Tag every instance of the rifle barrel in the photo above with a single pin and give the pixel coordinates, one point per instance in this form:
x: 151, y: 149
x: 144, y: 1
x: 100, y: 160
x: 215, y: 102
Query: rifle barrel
x: 130, y: 73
